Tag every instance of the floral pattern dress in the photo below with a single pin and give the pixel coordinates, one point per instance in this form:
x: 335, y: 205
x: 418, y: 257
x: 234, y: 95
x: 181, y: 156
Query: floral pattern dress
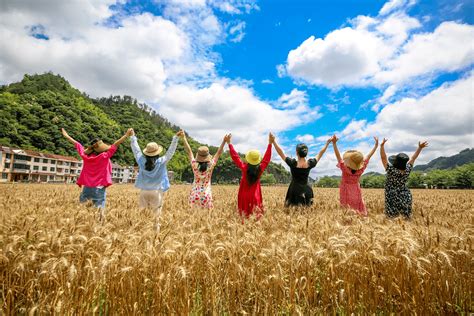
x: 350, y: 193
x: 201, y: 192
x: 398, y: 199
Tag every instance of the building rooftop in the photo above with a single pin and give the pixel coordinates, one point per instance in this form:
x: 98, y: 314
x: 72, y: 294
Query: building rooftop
x: 37, y: 154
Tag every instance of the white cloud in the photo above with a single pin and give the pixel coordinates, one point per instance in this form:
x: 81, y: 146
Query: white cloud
x: 385, y: 98
x: 446, y: 49
x: 393, y: 5
x: 208, y: 113
x: 332, y: 107
x: 381, y: 51
x: 267, y: 81
x: 443, y: 117
x: 293, y: 99
x: 102, y: 61
x: 236, y: 32
x: 306, y: 138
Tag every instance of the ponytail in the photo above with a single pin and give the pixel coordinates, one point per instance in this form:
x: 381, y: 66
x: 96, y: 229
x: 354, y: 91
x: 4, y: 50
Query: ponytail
x: 203, y: 166
x: 253, y: 173
x: 150, y: 163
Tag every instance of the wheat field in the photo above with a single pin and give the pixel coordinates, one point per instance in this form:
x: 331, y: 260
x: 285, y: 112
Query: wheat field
x: 55, y: 257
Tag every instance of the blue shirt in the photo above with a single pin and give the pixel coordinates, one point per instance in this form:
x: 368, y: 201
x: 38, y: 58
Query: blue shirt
x: 156, y: 179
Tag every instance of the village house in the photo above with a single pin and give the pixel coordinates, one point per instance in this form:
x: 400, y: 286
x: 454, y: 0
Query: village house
x: 24, y: 165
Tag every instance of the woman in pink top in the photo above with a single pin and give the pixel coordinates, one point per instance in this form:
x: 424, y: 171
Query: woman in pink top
x: 352, y: 165
x: 96, y: 173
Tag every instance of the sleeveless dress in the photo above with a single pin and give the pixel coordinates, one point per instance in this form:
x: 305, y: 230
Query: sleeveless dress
x: 299, y: 192
x: 398, y: 199
x: 350, y: 193
x: 201, y: 193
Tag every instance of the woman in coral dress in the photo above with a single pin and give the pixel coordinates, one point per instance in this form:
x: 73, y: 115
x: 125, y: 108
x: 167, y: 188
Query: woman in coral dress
x: 352, y: 166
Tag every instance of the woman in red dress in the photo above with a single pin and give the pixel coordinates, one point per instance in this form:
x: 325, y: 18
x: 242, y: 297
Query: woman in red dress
x: 250, y: 193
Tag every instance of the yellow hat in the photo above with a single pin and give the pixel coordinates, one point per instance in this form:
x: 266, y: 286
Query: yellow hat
x: 253, y: 157
x: 354, y: 159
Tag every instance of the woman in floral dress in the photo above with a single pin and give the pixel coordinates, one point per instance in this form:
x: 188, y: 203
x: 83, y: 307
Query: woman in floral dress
x: 203, y: 166
x: 398, y: 199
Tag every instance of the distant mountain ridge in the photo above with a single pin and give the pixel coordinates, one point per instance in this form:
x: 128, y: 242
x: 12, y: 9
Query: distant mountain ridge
x: 33, y: 111
x: 464, y: 157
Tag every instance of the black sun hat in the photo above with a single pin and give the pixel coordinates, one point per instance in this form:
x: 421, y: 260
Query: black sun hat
x: 399, y: 161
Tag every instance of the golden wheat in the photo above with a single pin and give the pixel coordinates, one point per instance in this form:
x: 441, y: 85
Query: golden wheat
x: 55, y: 257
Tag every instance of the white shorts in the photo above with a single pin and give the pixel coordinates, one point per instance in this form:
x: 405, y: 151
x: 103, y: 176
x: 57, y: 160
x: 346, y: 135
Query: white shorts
x: 152, y: 199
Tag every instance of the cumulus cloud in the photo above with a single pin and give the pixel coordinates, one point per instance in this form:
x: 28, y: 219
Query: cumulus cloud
x: 210, y: 112
x: 381, y: 50
x: 236, y: 32
x: 443, y: 117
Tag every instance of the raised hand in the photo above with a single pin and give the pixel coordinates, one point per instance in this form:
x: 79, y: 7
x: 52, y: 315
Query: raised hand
x: 130, y: 132
x: 334, y: 138
x: 376, y: 139
x: 422, y: 144
x: 329, y: 140
x: 180, y: 133
x: 271, y: 138
x: 383, y: 141
x: 228, y: 138
x: 63, y: 131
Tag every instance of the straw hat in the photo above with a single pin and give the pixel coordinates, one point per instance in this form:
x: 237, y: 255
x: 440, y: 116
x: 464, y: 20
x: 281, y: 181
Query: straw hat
x: 152, y: 149
x: 354, y: 159
x: 203, y: 154
x: 253, y: 157
x: 97, y: 146
x: 399, y: 161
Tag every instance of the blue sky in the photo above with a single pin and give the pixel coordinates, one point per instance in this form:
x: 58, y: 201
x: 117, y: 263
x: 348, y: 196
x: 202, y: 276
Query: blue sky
x: 302, y: 69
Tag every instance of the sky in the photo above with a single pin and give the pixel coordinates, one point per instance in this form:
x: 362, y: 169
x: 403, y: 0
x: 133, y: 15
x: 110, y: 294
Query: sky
x: 305, y: 70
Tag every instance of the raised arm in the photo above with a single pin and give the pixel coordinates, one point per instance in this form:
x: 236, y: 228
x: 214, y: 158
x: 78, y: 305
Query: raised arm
x: 279, y: 150
x: 336, y: 150
x: 421, y: 145
x: 233, y: 154
x: 323, y: 150
x: 124, y: 137
x: 267, y: 157
x: 66, y: 135
x: 371, y: 153
x: 221, y: 148
x: 172, y: 149
x: 383, y: 155
x: 187, y: 148
x: 137, y: 152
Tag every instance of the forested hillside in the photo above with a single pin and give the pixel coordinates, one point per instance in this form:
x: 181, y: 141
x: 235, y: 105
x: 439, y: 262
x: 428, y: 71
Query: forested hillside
x: 464, y: 157
x: 33, y: 111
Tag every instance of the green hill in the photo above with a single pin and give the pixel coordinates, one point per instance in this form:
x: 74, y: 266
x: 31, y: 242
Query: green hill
x: 464, y: 157
x: 33, y: 111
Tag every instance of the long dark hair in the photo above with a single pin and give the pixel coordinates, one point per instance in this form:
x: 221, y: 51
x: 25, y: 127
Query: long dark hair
x: 150, y: 162
x: 203, y: 166
x: 253, y: 173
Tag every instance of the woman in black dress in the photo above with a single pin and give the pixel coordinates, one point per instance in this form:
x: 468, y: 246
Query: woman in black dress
x: 299, y: 192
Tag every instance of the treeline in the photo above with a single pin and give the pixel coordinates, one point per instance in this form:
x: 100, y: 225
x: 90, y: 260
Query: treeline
x: 461, y: 177
x: 33, y: 111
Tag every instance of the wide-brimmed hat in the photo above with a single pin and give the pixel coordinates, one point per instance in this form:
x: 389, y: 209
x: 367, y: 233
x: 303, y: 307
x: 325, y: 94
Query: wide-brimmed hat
x: 354, y: 159
x: 203, y: 154
x: 399, y: 161
x: 253, y: 157
x: 97, y: 146
x: 152, y: 149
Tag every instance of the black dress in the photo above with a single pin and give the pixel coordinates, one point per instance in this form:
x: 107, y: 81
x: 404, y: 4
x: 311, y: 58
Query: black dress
x: 299, y: 192
x: 398, y: 199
